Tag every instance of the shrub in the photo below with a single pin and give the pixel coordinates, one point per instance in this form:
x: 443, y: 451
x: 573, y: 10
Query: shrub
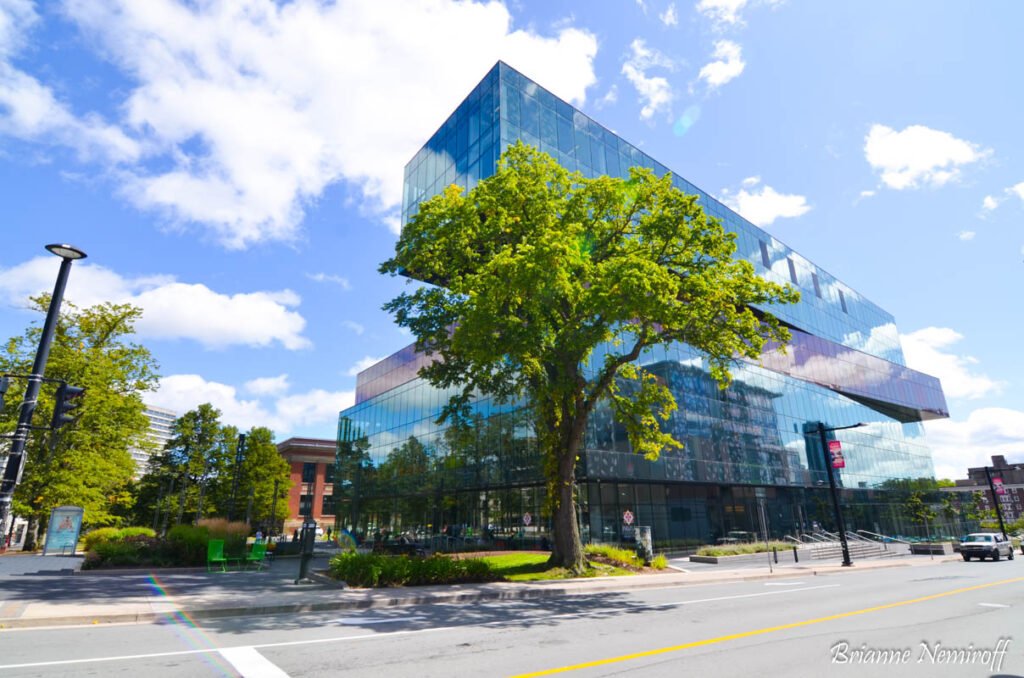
x: 234, y: 534
x: 740, y: 549
x: 660, y: 562
x: 126, y: 532
x: 102, y: 534
x: 376, y: 570
x: 615, y: 554
x: 189, y: 543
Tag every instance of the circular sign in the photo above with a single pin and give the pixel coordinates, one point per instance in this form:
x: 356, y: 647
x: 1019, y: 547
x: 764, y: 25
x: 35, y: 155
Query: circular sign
x: 627, y: 517
x: 527, y: 518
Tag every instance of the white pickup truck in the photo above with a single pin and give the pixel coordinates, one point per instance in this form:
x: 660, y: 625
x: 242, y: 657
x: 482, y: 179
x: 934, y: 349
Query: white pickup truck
x: 983, y: 545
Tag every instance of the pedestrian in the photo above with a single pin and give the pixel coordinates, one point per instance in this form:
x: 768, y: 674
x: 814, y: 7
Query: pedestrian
x: 259, y: 536
x: 328, y: 534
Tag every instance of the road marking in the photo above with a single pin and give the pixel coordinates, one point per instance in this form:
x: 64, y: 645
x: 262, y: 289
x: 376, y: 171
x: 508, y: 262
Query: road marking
x: 251, y: 664
x: 211, y: 650
x: 747, y: 634
x: 784, y: 583
x: 750, y: 595
x: 359, y: 621
x: 993, y: 605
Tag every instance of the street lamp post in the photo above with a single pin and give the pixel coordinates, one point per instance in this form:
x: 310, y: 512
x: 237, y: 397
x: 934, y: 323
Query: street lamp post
x: 995, y: 501
x: 16, y: 458
x: 832, y: 486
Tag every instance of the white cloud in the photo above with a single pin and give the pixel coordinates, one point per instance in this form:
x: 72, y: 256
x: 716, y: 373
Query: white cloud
x: 991, y: 202
x: 728, y: 13
x: 866, y: 194
x: 326, y: 277
x: 728, y: 64
x: 923, y: 351
x: 171, y: 309
x: 655, y: 93
x: 268, y: 385
x: 610, y: 97
x: 668, y: 17
x: 764, y: 206
x: 236, y: 114
x: 354, y: 326
x: 957, y: 445
x: 285, y: 414
x: 29, y: 110
x: 918, y: 155
x: 722, y: 11
x: 966, y: 235
x: 363, y: 364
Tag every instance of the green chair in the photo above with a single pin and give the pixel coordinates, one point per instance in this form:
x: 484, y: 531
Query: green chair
x: 259, y: 551
x: 215, y: 554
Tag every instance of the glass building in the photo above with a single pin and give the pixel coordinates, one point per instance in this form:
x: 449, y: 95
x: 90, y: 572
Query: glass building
x: 758, y: 439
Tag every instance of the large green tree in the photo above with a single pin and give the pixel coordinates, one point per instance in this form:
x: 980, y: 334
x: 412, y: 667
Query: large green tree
x: 536, y: 268
x: 87, y: 462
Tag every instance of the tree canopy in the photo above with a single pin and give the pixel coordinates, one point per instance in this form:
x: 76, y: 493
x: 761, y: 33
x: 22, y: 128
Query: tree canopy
x: 546, y: 286
x: 194, y: 475
x: 89, y: 464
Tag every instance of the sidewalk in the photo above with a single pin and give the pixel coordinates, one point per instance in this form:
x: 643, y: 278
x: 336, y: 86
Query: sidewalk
x: 51, y: 600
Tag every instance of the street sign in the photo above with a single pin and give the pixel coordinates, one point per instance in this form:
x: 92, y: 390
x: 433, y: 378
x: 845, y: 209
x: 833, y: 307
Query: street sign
x: 527, y: 518
x: 835, y: 450
x: 627, y: 517
x: 998, y: 484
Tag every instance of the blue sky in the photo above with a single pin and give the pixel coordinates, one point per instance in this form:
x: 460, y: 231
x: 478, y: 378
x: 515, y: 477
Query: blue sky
x: 234, y: 168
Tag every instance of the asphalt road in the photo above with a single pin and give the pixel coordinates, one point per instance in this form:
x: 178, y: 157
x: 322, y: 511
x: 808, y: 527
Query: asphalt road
x: 838, y: 625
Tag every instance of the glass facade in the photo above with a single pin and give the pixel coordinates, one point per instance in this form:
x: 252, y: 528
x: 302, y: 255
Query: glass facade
x: 844, y: 365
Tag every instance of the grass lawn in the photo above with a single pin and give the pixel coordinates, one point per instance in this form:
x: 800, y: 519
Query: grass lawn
x: 528, y: 566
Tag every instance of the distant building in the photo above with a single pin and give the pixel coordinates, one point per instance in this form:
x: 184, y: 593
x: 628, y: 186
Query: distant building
x: 1012, y: 475
x: 311, y: 463
x: 160, y: 423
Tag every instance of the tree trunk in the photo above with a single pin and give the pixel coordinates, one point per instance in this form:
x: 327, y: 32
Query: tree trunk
x: 31, y: 534
x: 567, y: 550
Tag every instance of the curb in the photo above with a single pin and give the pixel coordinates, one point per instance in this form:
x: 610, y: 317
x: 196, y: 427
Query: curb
x: 611, y: 584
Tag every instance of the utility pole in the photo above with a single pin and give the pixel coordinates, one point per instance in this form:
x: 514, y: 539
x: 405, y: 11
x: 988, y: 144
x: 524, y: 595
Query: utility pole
x: 835, y: 492
x: 995, y: 500
x: 273, y: 511
x: 16, y: 459
x: 239, y: 455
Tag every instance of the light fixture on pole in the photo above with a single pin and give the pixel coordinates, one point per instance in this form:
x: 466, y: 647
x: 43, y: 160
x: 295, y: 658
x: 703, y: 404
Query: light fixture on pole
x: 16, y: 458
x: 832, y: 486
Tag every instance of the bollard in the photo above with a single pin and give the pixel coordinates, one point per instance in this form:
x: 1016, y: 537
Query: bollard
x: 775, y: 554
x: 796, y: 557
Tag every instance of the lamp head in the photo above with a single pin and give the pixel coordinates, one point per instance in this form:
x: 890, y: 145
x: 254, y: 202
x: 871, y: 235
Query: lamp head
x: 66, y: 251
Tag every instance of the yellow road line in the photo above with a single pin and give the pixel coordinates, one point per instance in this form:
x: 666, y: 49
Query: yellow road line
x: 746, y: 634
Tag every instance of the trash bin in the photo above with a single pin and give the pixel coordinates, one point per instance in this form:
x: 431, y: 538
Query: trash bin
x: 644, y: 548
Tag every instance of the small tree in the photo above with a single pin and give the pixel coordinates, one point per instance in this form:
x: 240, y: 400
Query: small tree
x: 918, y: 511
x: 537, y: 268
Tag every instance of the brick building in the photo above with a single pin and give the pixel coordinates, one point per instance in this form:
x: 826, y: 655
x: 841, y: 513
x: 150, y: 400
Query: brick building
x: 1012, y: 475
x: 311, y: 463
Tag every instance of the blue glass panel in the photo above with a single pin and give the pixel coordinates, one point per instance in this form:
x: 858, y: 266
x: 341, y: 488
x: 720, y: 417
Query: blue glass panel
x: 530, y: 115
x: 566, y: 138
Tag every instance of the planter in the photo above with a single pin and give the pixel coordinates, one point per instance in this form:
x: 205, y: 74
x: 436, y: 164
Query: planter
x: 943, y: 548
x: 742, y: 558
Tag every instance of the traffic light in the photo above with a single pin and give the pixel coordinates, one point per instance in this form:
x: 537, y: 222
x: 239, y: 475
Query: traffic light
x: 5, y: 383
x: 65, y: 402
